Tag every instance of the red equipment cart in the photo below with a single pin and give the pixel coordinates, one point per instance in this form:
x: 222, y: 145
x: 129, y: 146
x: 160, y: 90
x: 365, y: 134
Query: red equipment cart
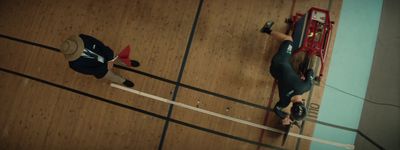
x: 311, y: 34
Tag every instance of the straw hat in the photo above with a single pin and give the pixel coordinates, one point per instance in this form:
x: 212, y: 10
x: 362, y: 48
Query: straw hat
x: 72, y: 48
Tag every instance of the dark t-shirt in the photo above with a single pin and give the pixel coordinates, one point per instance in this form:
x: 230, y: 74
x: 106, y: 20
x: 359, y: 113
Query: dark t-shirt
x: 289, y: 82
x: 92, y: 66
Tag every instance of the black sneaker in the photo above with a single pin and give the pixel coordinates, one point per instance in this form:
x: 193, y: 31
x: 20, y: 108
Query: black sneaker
x: 128, y: 83
x: 135, y: 63
x: 267, y: 27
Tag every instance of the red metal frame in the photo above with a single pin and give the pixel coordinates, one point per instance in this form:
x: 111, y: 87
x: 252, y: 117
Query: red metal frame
x: 317, y: 34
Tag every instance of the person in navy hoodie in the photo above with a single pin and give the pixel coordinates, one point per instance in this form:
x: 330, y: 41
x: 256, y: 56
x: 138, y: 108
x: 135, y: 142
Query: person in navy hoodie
x: 88, y: 55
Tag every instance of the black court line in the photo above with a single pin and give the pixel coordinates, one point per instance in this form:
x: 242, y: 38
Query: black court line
x: 370, y: 140
x: 178, y: 83
x: 181, y: 84
x: 145, y: 74
x: 108, y: 101
x: 29, y: 42
x: 332, y: 125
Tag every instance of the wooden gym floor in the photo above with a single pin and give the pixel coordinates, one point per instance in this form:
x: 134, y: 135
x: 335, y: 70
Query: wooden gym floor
x: 205, y: 53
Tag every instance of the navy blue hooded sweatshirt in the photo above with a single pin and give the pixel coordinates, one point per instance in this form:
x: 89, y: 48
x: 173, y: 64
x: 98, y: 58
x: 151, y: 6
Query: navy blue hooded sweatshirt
x: 92, y: 66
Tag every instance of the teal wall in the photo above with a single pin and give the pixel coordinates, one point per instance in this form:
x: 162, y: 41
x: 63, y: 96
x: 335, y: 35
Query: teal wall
x: 349, y: 71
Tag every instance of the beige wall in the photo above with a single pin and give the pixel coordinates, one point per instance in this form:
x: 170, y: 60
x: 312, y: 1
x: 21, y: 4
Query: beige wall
x: 379, y: 122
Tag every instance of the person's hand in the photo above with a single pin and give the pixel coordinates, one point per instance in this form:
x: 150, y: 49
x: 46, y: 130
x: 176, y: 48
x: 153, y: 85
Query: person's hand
x: 310, y: 74
x: 286, y: 121
x: 110, y: 65
x: 302, y: 77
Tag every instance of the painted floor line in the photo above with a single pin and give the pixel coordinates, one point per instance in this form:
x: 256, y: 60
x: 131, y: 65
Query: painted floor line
x: 347, y: 146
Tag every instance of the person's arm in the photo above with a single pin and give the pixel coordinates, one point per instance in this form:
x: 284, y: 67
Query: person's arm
x: 279, y: 112
x: 91, y: 39
x: 310, y: 75
x: 106, y: 52
x: 308, y: 82
x: 286, y: 120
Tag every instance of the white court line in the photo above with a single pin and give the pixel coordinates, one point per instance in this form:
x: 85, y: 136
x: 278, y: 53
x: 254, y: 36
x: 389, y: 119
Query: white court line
x: 346, y: 146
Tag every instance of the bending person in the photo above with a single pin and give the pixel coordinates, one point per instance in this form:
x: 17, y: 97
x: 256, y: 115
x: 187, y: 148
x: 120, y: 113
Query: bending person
x: 290, y: 85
